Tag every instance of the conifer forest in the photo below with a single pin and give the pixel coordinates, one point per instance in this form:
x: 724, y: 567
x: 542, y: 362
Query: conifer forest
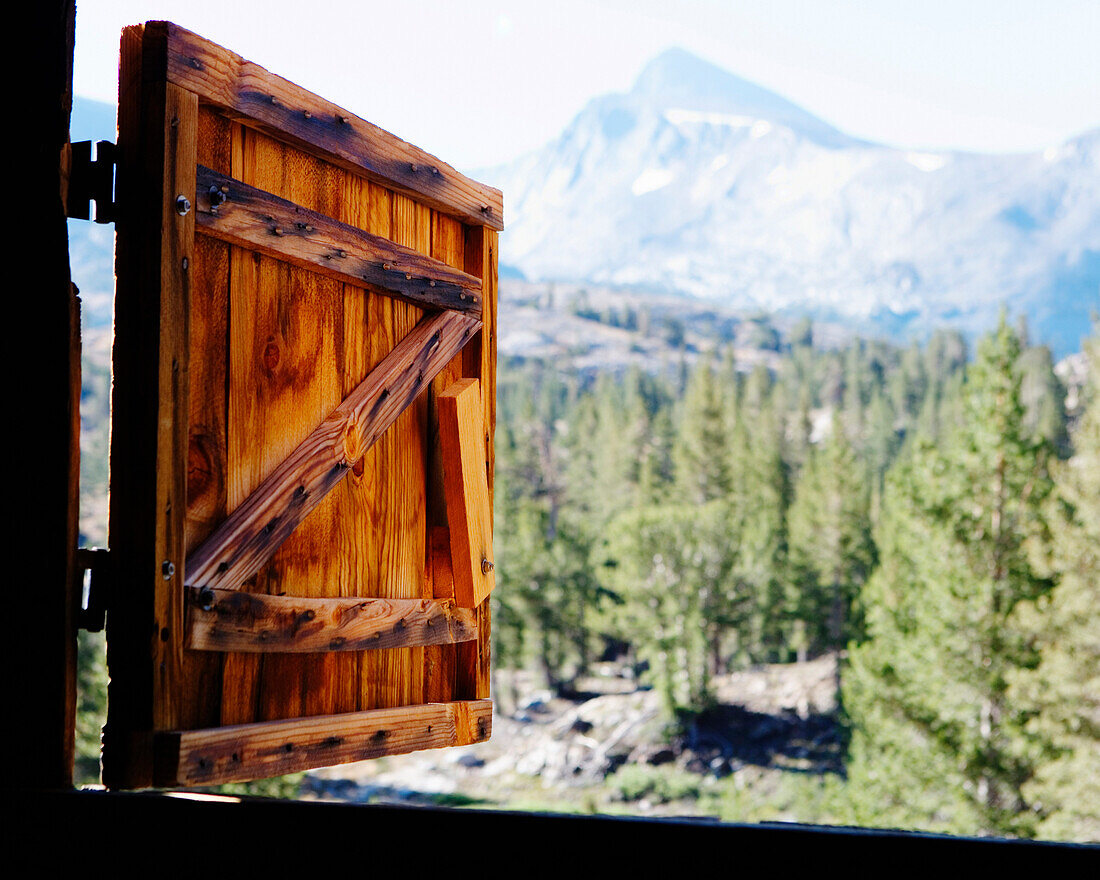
x: 929, y: 513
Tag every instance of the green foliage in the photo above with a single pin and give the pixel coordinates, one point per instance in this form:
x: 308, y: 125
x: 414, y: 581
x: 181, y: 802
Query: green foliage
x: 667, y: 569
x: 1064, y: 690
x: 91, y: 707
x: 936, y: 741
x: 754, y: 795
x: 831, y: 550
x: 660, y: 785
x: 284, y: 787
x: 699, y: 521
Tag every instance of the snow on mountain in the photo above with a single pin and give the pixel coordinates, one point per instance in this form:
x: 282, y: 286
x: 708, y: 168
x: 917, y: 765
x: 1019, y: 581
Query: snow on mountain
x: 699, y: 182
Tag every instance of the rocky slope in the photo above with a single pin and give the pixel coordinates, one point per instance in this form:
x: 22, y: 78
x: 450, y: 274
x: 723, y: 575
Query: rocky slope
x: 561, y: 754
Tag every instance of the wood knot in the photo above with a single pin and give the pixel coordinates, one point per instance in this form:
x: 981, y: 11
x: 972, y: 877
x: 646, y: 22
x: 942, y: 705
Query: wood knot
x: 200, y: 468
x: 352, y: 443
x: 272, y: 355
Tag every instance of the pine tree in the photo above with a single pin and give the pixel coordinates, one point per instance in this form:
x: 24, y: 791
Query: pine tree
x: 936, y: 741
x: 1065, y: 688
x: 666, y: 567
x: 702, y: 473
x: 831, y: 550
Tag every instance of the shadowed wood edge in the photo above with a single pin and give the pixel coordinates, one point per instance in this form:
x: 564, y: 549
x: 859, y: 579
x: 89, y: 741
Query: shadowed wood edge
x: 231, y: 620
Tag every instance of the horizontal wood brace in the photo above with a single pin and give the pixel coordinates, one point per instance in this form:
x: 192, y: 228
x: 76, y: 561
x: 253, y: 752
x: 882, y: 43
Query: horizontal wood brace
x: 251, y: 534
x: 232, y: 620
x: 240, y: 214
x: 290, y: 113
x: 271, y: 748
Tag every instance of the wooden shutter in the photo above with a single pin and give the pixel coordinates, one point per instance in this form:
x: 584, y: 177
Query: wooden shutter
x: 296, y: 290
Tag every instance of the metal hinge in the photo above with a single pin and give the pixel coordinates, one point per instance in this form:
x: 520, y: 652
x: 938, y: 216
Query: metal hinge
x: 92, y: 180
x: 93, y: 577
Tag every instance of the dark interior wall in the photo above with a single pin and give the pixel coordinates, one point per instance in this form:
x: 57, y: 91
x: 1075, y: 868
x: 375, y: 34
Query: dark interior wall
x: 42, y: 418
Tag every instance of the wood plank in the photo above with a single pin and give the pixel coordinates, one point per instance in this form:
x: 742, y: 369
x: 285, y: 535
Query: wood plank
x: 480, y: 359
x: 447, y: 245
x: 231, y: 620
x: 279, y: 228
x: 439, y: 661
x: 361, y: 531
x: 396, y: 677
x: 200, y: 697
x: 462, y: 438
x: 247, y: 539
x: 249, y: 410
x: 289, y: 112
x: 181, y: 110
x: 251, y: 751
x: 157, y: 144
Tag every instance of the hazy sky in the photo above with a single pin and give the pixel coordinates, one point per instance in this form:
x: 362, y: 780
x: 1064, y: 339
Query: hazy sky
x: 478, y: 82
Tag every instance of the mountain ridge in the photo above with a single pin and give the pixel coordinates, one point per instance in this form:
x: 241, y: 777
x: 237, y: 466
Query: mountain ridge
x: 698, y: 182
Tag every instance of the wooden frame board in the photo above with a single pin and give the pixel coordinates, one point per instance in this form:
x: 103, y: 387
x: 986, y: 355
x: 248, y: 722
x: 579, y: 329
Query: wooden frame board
x: 296, y: 288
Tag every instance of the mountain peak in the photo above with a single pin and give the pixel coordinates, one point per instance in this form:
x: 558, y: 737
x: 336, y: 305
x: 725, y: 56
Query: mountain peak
x: 677, y: 69
x: 677, y: 78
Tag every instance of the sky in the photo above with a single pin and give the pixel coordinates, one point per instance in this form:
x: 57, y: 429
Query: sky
x: 480, y: 82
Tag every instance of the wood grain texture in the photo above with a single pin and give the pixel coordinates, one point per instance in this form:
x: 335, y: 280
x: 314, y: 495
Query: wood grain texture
x: 199, y: 698
x: 395, y: 678
x: 272, y: 347
x: 462, y: 438
x: 479, y: 358
x: 230, y: 620
x: 250, y: 751
x: 439, y: 660
x: 279, y: 228
x: 289, y: 112
x: 448, y: 246
x: 246, y: 540
x: 157, y: 144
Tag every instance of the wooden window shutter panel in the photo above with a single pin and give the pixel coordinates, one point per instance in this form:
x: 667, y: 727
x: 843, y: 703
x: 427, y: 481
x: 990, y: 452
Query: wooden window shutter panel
x: 296, y: 291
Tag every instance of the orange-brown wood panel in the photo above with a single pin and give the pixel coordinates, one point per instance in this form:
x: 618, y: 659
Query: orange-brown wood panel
x: 479, y: 361
x: 200, y: 688
x: 245, y: 355
x: 447, y: 246
x: 401, y: 485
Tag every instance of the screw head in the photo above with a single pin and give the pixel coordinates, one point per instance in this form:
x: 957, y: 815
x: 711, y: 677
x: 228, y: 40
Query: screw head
x: 486, y: 566
x: 183, y: 205
x: 167, y: 569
